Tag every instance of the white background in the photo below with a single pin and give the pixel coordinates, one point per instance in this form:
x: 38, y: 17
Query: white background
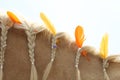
x: 96, y: 16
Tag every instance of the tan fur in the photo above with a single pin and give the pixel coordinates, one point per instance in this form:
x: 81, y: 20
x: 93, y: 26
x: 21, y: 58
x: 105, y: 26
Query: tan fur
x: 5, y: 20
x: 114, y: 58
x: 113, y: 69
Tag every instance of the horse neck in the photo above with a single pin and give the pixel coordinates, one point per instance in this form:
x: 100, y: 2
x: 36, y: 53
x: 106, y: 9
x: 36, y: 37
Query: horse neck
x: 17, y: 58
x: 92, y: 69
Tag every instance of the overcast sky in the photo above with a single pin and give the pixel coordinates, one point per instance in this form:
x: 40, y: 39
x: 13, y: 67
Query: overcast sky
x: 96, y: 16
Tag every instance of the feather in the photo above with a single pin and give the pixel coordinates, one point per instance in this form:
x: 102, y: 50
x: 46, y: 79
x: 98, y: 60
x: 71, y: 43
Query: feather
x: 13, y: 17
x: 80, y: 38
x: 48, y: 23
x: 104, y: 46
x: 79, y: 35
x: 104, y: 53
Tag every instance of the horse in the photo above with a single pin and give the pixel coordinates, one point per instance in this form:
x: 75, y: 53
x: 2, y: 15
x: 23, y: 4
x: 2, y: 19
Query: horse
x: 17, y: 65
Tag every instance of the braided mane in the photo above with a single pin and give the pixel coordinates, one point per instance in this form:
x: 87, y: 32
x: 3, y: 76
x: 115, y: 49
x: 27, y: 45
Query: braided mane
x: 17, y: 63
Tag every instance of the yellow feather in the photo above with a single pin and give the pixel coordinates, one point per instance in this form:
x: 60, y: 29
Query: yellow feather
x: 104, y: 46
x: 48, y: 23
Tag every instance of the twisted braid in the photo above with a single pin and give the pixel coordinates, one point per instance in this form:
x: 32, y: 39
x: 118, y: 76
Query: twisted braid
x: 105, y: 65
x: 54, y: 46
x: 78, y: 77
x: 31, y: 36
x: 31, y: 44
x: 49, y: 66
x: 77, y: 58
x: 3, y: 38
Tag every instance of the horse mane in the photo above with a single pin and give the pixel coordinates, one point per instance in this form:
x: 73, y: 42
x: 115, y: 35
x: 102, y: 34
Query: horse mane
x: 114, y: 58
x: 5, y: 20
x: 90, y: 50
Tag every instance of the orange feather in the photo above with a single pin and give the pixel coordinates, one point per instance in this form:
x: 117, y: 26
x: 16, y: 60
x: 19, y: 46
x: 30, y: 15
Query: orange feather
x: 13, y: 17
x: 79, y: 35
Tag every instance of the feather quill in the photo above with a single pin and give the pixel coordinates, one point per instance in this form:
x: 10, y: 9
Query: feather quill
x: 47, y: 22
x: 104, y: 46
x: 13, y: 17
x: 79, y: 35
